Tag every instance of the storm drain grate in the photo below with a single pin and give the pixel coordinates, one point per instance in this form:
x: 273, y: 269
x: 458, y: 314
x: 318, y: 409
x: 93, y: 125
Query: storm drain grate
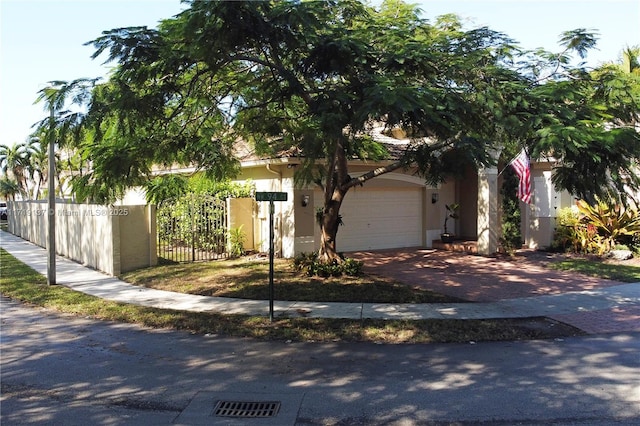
x: 246, y: 408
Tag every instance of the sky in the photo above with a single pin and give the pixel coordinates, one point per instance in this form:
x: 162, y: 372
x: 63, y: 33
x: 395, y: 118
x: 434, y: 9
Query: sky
x: 42, y: 40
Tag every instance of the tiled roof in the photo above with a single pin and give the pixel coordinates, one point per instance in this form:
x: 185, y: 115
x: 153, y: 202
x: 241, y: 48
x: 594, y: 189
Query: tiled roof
x: 395, y: 147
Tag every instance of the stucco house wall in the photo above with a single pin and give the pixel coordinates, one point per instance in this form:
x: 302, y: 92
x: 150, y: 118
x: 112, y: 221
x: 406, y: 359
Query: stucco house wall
x: 295, y: 226
x: 296, y: 229
x: 241, y: 212
x: 539, y: 219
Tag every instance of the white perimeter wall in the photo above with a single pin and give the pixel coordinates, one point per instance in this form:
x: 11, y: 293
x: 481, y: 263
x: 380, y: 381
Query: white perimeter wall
x: 110, y: 239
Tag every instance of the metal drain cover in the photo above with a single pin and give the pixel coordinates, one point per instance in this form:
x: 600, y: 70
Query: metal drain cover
x: 244, y: 409
x: 225, y: 408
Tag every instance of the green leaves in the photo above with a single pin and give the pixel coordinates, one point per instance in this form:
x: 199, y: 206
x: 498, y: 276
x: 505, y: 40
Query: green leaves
x: 581, y: 40
x: 294, y: 76
x: 604, y: 223
x: 582, y: 124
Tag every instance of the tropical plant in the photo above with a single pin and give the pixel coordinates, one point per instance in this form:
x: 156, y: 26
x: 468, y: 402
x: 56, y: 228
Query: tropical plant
x: 565, y: 236
x: 165, y: 187
x: 591, y: 130
x: 606, y: 223
x: 9, y: 188
x: 64, y: 127
x: 37, y: 166
x: 452, y: 213
x: 14, y: 163
x: 237, y: 238
x: 200, y: 183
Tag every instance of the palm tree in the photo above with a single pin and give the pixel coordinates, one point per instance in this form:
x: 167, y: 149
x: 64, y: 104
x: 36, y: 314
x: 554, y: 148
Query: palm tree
x: 37, y: 166
x: 8, y: 188
x: 14, y: 161
x: 631, y: 60
x: 63, y: 127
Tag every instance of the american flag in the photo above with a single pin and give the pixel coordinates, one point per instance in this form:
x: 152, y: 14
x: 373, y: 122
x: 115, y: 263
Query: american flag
x: 522, y: 168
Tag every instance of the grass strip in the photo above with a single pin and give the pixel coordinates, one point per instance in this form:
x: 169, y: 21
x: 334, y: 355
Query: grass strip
x: 19, y: 282
x: 623, y: 273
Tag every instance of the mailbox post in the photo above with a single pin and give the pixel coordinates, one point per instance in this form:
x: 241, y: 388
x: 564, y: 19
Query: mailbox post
x: 271, y: 197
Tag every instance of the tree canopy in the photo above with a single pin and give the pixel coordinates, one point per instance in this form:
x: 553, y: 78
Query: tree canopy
x: 316, y: 76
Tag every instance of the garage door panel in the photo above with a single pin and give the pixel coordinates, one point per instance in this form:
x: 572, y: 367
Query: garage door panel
x: 381, y: 219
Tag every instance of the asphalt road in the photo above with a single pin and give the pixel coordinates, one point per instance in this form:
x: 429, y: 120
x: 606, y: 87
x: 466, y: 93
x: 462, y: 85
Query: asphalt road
x: 64, y: 370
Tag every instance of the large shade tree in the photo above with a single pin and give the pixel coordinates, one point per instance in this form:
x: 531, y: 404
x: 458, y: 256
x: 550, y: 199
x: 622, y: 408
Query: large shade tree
x: 315, y: 77
x: 589, y: 123
x: 310, y: 75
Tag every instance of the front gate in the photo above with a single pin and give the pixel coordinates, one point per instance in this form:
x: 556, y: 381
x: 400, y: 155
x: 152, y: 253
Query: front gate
x: 192, y: 228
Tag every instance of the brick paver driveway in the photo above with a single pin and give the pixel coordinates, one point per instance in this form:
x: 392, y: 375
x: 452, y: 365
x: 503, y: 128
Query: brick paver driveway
x: 476, y: 278
x: 486, y: 279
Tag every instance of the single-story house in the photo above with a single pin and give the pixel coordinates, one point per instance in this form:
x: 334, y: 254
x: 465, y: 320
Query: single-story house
x: 394, y: 210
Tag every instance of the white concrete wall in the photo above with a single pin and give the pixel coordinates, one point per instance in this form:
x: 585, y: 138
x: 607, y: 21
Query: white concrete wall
x: 110, y: 239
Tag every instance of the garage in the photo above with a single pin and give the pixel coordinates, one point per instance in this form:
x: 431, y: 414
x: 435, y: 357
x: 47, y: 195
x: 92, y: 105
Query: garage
x: 381, y: 219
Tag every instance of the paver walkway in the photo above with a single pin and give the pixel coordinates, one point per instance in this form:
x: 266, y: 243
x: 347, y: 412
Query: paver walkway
x: 587, y: 303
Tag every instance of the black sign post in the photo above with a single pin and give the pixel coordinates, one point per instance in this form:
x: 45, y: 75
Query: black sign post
x: 271, y: 197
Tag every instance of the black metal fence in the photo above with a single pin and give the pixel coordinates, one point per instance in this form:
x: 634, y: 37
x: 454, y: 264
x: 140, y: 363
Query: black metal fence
x: 192, y: 228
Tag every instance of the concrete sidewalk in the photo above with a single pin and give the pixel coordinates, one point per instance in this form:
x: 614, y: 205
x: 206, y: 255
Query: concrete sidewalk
x: 624, y: 297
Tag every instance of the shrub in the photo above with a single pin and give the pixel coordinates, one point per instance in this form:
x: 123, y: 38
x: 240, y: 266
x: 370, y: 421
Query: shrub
x: 565, y: 237
x: 304, y: 261
x: 309, y: 264
x: 352, y: 267
x: 237, y: 238
x: 596, y: 228
x: 605, y: 224
x: 511, y: 238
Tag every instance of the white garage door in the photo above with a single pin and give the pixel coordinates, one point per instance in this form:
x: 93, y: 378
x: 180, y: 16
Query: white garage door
x: 380, y: 219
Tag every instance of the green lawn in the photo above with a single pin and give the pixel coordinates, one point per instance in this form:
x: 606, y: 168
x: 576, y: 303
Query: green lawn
x: 248, y: 278
x: 624, y: 273
x: 19, y: 282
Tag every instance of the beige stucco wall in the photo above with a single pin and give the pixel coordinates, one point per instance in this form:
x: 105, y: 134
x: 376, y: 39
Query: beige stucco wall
x: 241, y: 213
x: 28, y: 220
x: 296, y: 228
x: 276, y: 178
x: 84, y: 233
x: 137, y: 231
x: 110, y: 239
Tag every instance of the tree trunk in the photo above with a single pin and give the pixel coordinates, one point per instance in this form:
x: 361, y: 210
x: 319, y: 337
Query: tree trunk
x: 338, y: 182
x: 329, y: 230
x: 334, y: 193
